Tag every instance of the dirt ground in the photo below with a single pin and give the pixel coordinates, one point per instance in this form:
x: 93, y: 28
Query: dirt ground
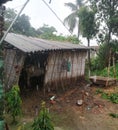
x: 66, y: 114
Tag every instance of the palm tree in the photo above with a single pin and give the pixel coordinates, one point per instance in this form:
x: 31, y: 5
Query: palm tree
x: 72, y: 19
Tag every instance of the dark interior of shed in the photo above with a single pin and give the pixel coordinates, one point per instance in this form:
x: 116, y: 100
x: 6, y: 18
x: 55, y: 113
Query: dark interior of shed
x: 33, y: 71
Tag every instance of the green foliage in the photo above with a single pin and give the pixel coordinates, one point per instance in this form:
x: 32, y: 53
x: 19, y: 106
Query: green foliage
x: 105, y: 95
x: 47, y: 29
x: 87, y: 26
x: 47, y: 32
x: 99, y: 91
x: 104, y: 72
x: 73, y: 39
x: 113, y: 97
x: 111, y: 73
x: 13, y: 101
x: 113, y: 115
x: 9, y: 16
x: 87, y: 22
x: 43, y: 121
x: 102, y: 60
x: 103, y: 55
x: 106, y: 12
x: 22, y: 24
x: 95, y: 65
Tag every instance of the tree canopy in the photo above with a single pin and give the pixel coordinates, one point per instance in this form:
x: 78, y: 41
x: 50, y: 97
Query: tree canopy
x: 46, y: 31
x: 107, y: 16
x: 87, y: 22
x: 22, y: 24
x: 87, y: 26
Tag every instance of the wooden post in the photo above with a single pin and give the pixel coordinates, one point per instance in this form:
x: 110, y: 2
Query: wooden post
x: 114, y: 67
x: 108, y: 70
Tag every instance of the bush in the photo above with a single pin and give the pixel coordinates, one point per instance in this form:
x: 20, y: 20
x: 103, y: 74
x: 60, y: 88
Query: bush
x: 43, y: 121
x: 14, y: 102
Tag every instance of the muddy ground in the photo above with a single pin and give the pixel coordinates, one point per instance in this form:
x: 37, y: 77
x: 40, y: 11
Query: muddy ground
x: 66, y: 114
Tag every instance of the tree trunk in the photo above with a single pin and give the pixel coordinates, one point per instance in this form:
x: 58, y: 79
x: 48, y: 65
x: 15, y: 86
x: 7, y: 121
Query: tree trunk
x: 78, y: 33
x: 109, y: 36
x: 89, y: 61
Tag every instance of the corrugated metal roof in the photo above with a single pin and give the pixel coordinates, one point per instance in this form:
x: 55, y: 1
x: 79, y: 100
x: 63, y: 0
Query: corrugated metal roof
x: 31, y: 44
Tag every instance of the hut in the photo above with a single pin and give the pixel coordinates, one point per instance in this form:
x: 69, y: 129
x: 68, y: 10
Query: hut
x: 33, y: 62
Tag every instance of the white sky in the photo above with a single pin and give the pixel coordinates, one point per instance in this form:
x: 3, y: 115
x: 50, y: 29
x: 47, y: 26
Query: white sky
x: 40, y: 14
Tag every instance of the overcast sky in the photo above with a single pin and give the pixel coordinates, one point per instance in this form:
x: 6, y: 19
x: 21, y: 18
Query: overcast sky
x: 40, y: 14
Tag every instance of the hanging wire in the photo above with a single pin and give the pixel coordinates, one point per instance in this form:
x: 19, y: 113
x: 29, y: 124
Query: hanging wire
x: 56, y: 15
x: 49, y: 1
x: 5, y: 34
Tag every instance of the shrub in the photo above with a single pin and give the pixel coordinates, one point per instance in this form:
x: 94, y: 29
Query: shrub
x: 43, y: 121
x: 14, y: 102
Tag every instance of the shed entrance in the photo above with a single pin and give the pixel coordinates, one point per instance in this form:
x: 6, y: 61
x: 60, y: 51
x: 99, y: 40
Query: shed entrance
x: 33, y: 72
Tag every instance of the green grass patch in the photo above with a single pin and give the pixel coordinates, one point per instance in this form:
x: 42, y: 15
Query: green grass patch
x: 113, y: 97
x: 104, y: 72
x: 113, y: 115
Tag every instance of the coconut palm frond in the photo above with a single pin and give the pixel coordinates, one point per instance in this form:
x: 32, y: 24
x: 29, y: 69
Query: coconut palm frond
x: 79, y: 3
x: 72, y: 6
x: 71, y: 21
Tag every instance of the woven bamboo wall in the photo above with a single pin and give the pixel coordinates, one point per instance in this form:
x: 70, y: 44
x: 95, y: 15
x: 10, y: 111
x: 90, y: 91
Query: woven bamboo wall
x: 63, y: 66
x: 13, y: 64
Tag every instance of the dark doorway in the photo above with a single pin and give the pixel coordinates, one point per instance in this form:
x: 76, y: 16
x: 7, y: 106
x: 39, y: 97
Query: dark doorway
x: 33, y: 72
